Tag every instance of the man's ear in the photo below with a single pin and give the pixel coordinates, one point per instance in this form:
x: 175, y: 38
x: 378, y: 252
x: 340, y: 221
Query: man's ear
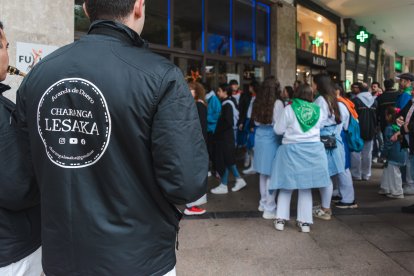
x: 85, y: 10
x: 139, y: 8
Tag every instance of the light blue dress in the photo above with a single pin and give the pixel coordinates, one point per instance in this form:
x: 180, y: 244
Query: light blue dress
x: 266, y: 145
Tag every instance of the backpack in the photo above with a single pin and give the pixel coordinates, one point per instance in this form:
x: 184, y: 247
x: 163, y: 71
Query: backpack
x: 367, y: 119
x: 353, y: 135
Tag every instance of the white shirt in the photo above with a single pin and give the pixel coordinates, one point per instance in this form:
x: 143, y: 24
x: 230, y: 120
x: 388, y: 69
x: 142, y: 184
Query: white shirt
x: 288, y: 126
x: 277, y: 112
x: 344, y: 115
x: 250, y: 110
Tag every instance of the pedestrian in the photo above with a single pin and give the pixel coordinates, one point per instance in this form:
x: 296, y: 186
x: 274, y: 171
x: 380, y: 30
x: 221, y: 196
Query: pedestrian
x: 267, y: 108
x: 391, y: 181
x: 406, y: 88
x: 287, y: 94
x: 199, y: 94
x: 213, y: 113
x: 345, y: 195
x: 20, y: 240
x: 117, y: 143
x: 248, y: 126
x: 331, y: 128
x: 301, y: 162
x: 225, y: 150
x: 366, y: 107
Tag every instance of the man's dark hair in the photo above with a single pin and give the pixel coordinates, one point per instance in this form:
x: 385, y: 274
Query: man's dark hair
x: 375, y: 82
x: 109, y: 9
x: 1, y: 25
x: 233, y: 82
x: 389, y: 84
x: 1, y: 36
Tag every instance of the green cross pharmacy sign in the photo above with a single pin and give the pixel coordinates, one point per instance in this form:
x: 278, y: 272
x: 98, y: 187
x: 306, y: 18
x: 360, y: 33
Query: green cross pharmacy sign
x: 362, y: 36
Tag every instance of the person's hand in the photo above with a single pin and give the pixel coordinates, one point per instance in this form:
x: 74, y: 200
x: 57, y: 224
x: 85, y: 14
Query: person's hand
x: 400, y: 121
x: 241, y: 127
x: 395, y: 137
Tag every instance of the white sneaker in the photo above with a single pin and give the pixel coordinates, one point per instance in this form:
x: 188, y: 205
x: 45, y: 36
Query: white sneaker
x: 269, y: 215
x: 201, y: 201
x: 260, y: 208
x: 220, y: 190
x: 408, y: 189
x: 304, y: 227
x: 246, y: 160
x: 249, y: 171
x: 240, y: 184
x: 280, y: 224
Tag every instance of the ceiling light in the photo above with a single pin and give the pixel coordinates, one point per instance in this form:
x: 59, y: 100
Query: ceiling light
x: 319, y: 18
x: 319, y: 33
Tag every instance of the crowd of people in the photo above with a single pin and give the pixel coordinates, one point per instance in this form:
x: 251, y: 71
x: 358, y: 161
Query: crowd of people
x: 305, y: 137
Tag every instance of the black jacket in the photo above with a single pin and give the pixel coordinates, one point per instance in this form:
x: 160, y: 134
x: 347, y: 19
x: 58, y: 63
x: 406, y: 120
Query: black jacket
x: 116, y: 140
x: 244, y: 104
x: 19, y: 194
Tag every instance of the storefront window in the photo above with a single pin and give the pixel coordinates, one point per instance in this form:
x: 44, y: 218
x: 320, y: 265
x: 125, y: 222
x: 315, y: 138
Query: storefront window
x: 191, y: 68
x: 188, y: 24
x: 361, y: 77
x: 156, y: 22
x: 362, y: 55
x: 252, y: 72
x: 218, y: 72
x: 243, y: 18
x: 81, y: 20
x: 218, y: 26
x: 263, y: 32
x: 316, y: 33
x: 349, y: 80
x: 303, y: 74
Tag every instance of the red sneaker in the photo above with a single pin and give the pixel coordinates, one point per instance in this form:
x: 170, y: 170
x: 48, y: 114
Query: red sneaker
x: 194, y: 211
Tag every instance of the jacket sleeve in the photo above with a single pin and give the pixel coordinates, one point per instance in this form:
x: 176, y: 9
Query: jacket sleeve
x: 387, y: 142
x: 214, y: 108
x: 178, y: 149
x: 282, y: 122
x: 18, y: 187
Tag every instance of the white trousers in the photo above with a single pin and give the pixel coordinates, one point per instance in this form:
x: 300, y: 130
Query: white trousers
x: 29, y: 266
x: 391, y: 181
x: 345, y: 186
x: 361, y: 162
x: 267, y: 199
x: 304, y: 205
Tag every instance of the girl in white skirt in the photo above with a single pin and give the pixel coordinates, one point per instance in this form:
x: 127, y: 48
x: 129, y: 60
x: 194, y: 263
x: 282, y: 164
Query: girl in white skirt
x: 300, y: 162
x: 391, y: 181
x: 267, y: 108
x: 331, y: 125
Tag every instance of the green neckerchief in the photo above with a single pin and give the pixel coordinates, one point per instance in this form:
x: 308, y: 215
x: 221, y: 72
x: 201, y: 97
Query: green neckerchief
x: 395, y: 127
x: 307, y: 113
x: 317, y: 94
x: 408, y: 90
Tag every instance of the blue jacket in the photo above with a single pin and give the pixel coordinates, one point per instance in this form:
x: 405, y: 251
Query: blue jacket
x: 213, y: 111
x: 402, y: 100
x: 392, y: 150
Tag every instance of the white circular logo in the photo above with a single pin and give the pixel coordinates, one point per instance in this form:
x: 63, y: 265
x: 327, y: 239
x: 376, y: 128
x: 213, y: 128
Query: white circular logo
x: 74, y: 123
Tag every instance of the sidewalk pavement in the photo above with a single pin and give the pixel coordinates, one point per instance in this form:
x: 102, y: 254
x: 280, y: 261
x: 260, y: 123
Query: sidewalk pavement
x: 233, y: 239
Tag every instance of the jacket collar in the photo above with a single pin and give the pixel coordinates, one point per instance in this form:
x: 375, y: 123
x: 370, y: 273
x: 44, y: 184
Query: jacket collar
x: 4, y: 88
x: 118, y: 30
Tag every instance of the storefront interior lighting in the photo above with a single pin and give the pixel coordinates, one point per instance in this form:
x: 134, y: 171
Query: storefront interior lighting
x: 317, y: 41
x: 319, y: 33
x: 319, y: 18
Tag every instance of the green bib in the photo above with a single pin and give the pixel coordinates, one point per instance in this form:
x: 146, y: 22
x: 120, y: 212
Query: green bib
x: 307, y: 113
x: 408, y: 90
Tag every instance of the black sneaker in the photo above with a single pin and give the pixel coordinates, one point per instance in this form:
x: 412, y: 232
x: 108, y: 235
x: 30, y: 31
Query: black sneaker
x: 342, y: 205
x: 408, y: 209
x: 336, y: 199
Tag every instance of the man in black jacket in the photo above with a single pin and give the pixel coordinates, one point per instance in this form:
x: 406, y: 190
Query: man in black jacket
x: 117, y: 141
x: 20, y: 252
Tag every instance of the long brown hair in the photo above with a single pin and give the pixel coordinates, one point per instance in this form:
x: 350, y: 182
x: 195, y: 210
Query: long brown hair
x: 266, y: 97
x: 200, y: 92
x: 327, y: 90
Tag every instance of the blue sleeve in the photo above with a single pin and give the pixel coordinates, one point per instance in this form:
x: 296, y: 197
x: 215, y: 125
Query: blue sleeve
x: 214, y: 109
x: 403, y: 100
x: 388, y: 133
